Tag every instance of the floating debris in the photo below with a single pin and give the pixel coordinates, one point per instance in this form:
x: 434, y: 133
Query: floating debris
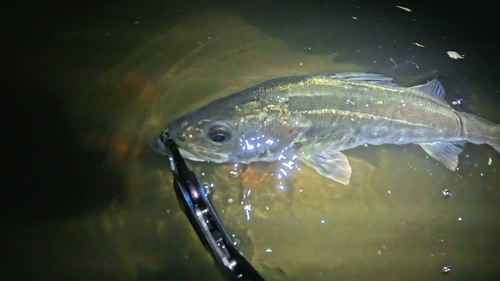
x: 454, y: 55
x: 269, y: 250
x: 418, y: 45
x: 460, y: 219
x: 247, y: 209
x: 354, y: 18
x: 489, y: 161
x: 446, y: 269
x: 403, y: 8
x: 233, y: 174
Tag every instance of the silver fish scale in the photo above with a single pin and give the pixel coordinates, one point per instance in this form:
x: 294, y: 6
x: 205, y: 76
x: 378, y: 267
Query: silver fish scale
x: 372, y: 111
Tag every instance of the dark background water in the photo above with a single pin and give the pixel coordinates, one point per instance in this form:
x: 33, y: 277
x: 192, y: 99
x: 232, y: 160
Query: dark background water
x: 86, y: 84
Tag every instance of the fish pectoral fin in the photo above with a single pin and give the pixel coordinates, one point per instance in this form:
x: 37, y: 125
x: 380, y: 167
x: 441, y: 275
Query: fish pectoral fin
x: 459, y: 143
x: 445, y: 152
x: 331, y: 164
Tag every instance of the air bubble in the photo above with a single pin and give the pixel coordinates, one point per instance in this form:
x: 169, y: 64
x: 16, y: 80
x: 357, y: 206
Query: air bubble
x: 446, y: 269
x: 446, y: 193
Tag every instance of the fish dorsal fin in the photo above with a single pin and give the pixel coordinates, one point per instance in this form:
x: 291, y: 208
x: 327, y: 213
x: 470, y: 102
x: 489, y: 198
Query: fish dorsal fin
x: 372, y: 78
x: 432, y: 88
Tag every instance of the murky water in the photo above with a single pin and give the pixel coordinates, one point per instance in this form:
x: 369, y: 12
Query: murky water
x: 95, y: 203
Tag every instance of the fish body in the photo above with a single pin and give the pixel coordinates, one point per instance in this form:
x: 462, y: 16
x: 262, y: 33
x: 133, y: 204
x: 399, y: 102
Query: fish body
x: 319, y: 116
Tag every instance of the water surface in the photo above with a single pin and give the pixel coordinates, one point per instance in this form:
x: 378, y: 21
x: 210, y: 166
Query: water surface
x: 94, y: 202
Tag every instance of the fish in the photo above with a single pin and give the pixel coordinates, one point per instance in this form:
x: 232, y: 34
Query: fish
x: 317, y: 117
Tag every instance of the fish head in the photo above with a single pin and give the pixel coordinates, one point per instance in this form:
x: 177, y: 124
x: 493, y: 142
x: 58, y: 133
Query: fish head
x: 241, y: 133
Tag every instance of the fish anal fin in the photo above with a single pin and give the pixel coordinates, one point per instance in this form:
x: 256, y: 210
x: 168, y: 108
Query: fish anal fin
x: 444, y: 152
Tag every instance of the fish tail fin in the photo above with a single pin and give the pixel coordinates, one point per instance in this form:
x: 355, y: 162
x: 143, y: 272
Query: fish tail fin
x: 496, y: 142
x: 481, y: 131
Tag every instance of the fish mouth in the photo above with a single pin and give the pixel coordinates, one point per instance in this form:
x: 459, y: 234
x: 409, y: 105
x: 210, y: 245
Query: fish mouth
x: 188, y: 155
x: 157, y: 145
x: 202, y: 155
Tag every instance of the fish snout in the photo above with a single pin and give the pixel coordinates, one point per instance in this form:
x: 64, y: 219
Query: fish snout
x: 175, y: 129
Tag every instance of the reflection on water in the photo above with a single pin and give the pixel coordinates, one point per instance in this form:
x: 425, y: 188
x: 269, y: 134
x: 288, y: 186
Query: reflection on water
x: 319, y: 226
x: 392, y: 222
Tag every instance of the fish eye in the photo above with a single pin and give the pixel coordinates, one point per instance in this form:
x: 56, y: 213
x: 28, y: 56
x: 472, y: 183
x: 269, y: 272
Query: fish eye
x: 219, y: 134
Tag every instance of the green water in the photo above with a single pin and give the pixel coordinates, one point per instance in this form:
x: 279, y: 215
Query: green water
x: 93, y: 202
